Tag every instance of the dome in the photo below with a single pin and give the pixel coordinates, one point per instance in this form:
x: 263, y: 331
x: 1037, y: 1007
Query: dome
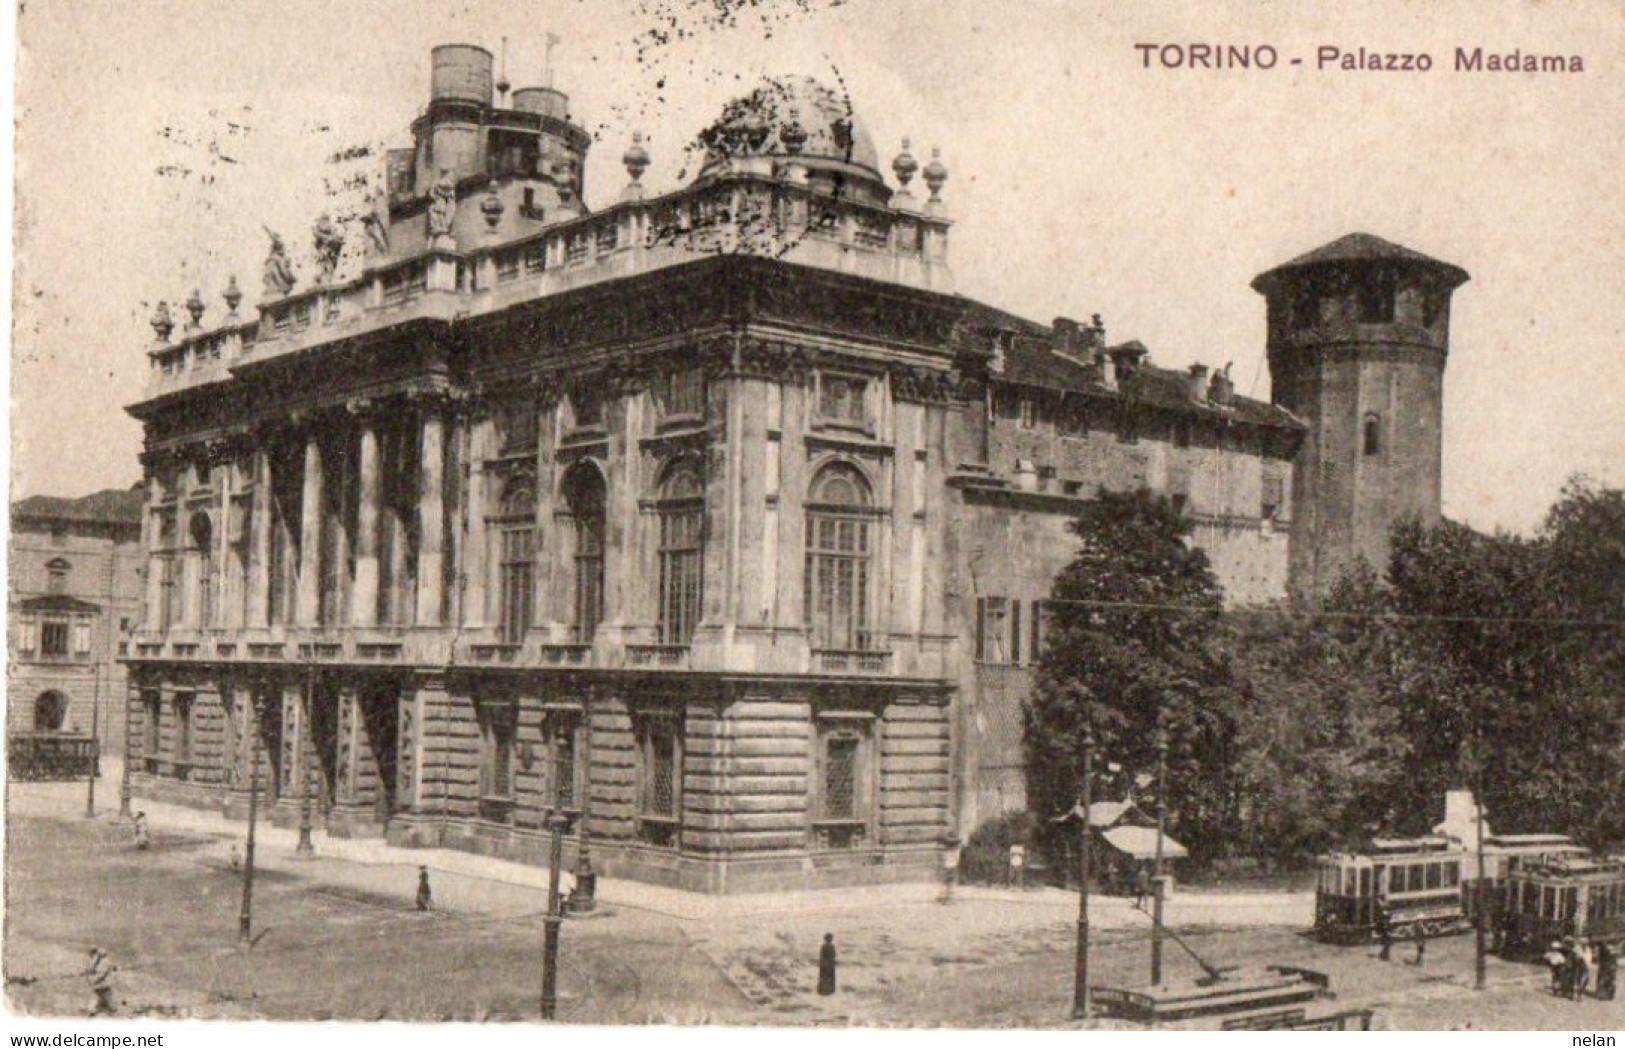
x: 756, y: 125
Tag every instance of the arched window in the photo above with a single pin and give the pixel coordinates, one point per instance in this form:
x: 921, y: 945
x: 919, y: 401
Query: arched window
x: 838, y: 565
x: 682, y: 526
x: 50, y: 711
x: 1373, y: 434
x: 516, y: 530
x: 584, y: 495
x: 201, y: 530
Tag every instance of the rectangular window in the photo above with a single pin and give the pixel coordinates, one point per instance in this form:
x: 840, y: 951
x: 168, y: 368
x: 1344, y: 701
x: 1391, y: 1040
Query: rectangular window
x: 587, y: 409
x: 993, y: 630
x: 837, y: 581
x: 54, y: 638
x: 561, y: 736
x: 841, y: 800
x: 1026, y: 413
x: 81, y: 637
x: 682, y: 394
x: 1036, y: 633
x: 841, y: 777
x: 1015, y: 632
x: 659, y: 779
x: 517, y: 582
x: 497, y: 732
x: 681, y: 528
x: 840, y: 400
x: 183, y: 728
x: 152, y: 710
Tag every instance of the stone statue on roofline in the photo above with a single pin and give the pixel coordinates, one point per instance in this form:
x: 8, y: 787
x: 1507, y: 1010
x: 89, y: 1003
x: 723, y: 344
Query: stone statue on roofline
x: 328, y: 239
x: 279, y: 275
x: 442, y: 205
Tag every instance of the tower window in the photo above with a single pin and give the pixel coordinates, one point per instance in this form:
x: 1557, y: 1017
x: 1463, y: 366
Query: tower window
x: 1377, y: 298
x: 1373, y: 435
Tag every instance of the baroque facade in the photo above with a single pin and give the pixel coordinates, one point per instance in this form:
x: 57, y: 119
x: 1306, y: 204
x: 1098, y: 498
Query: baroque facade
x: 74, y: 589
x: 714, y: 520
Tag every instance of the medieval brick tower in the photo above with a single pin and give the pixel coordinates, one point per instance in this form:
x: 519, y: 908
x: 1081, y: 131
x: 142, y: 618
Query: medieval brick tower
x: 1358, y: 335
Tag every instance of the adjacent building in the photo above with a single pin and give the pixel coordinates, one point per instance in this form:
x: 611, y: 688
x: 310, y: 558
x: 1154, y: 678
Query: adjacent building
x: 74, y: 588
x: 715, y: 520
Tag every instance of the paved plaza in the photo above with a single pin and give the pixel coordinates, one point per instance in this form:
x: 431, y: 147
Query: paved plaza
x: 339, y: 937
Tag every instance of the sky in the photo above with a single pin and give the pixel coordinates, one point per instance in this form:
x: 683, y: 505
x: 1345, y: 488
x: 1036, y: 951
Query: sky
x: 155, y: 140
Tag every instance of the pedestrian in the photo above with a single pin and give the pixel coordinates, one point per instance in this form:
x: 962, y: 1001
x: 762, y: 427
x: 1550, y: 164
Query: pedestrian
x: 1142, y: 886
x: 100, y: 976
x: 1556, y: 963
x: 1385, y: 930
x: 1607, y: 971
x: 141, y: 839
x: 425, y: 896
x: 826, y: 965
x: 1565, y: 985
x: 236, y: 858
x: 1582, y: 970
x: 1421, y: 937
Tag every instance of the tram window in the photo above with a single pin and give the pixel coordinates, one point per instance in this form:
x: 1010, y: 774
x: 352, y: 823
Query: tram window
x: 1548, y: 901
x: 1365, y: 882
x: 1570, y: 904
x: 1431, y: 874
x: 1452, y: 874
x: 1348, y: 882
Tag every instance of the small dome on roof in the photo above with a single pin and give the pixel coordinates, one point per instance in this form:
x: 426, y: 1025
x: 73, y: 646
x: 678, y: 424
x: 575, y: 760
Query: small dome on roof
x: 769, y: 121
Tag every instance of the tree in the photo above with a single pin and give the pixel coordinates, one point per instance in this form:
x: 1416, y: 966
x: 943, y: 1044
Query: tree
x: 1319, y: 749
x: 1129, y: 645
x: 1525, y: 641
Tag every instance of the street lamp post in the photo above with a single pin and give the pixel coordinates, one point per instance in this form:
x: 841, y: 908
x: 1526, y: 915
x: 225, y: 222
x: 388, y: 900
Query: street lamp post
x: 124, y: 774
x: 95, y: 741
x: 1157, y: 883
x: 245, y: 918
x: 305, y: 848
x: 1080, y: 987
x: 555, y: 910
x: 1481, y: 912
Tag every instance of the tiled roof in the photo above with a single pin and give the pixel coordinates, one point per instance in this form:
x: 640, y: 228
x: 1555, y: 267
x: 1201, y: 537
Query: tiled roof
x: 109, y: 506
x: 1359, y: 247
x: 1031, y: 359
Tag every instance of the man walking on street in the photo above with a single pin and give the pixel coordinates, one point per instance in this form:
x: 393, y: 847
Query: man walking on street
x: 1421, y: 945
x: 1385, y: 930
x: 425, y: 897
x: 100, y: 976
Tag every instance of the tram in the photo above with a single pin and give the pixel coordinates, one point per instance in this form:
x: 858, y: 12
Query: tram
x: 1417, y: 879
x: 1578, y: 896
x: 1431, y: 882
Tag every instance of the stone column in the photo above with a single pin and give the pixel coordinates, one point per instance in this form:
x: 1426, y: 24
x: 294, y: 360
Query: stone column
x: 308, y: 609
x: 259, y: 550
x: 431, y: 517
x: 364, y: 609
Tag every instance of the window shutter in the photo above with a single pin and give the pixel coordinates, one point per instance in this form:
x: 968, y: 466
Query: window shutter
x: 1015, y: 632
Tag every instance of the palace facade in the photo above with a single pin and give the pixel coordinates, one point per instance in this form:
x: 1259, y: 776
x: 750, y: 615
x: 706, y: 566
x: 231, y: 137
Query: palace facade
x: 714, y: 520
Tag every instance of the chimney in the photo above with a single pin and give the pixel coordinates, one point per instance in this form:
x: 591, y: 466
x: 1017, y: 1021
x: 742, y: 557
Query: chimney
x: 1198, y: 383
x: 1026, y: 475
x: 1108, y: 369
x: 1066, y: 337
x: 1221, y: 389
x: 1127, y: 357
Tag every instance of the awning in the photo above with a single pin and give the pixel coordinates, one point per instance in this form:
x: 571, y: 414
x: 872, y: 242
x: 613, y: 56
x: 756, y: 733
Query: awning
x: 1141, y: 843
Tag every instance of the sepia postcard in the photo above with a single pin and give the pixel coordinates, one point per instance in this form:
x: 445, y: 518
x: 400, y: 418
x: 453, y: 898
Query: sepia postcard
x: 906, y: 514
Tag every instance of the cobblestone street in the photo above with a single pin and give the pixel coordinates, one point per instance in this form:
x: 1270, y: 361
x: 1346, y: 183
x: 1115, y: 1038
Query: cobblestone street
x: 341, y: 938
